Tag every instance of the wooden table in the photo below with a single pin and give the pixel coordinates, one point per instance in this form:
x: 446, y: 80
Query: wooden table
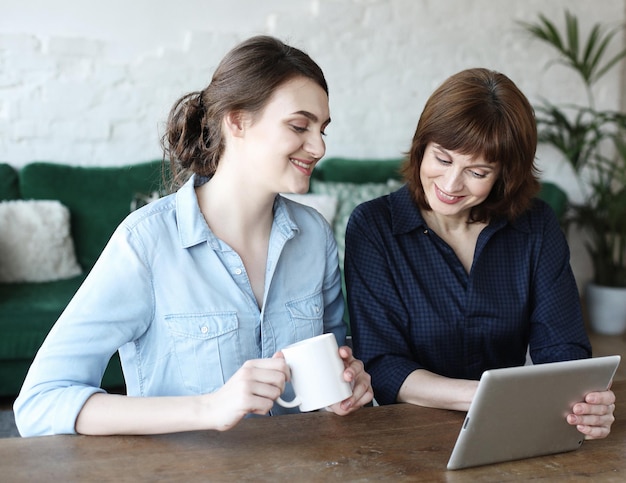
x: 389, y: 443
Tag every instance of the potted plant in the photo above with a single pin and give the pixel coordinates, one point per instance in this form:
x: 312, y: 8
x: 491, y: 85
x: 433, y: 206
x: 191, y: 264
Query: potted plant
x: 593, y: 141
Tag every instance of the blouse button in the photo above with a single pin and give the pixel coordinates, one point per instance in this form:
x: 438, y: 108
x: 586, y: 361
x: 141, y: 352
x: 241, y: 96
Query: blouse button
x: 238, y: 271
x: 425, y: 232
x: 204, y: 329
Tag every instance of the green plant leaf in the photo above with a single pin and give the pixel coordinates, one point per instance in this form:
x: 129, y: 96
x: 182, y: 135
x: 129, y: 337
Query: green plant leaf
x: 585, y: 136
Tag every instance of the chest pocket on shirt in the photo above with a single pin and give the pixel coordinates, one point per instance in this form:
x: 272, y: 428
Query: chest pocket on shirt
x: 307, y: 315
x: 206, y: 348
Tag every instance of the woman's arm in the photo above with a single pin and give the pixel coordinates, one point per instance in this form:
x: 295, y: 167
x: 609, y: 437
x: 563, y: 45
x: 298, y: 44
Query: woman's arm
x: 425, y: 388
x: 379, y: 321
x: 252, y: 390
x: 113, y: 306
x: 557, y: 331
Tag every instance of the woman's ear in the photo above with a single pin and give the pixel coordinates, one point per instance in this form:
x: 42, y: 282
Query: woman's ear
x: 234, y: 122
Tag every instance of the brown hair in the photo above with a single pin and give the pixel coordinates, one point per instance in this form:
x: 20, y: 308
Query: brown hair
x: 244, y: 80
x: 482, y: 113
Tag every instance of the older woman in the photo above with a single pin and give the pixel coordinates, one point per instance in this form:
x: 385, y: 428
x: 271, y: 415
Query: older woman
x: 462, y: 269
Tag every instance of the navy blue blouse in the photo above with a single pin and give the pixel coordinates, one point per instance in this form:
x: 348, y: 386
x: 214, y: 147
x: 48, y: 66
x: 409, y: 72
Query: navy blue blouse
x: 413, y: 305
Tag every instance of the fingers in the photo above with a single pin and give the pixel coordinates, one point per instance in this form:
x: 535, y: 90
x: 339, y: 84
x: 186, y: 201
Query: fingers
x: 262, y: 375
x: 258, y: 383
x: 602, y: 397
x: 362, y: 392
x: 594, y: 432
x: 594, y: 417
x: 353, y: 366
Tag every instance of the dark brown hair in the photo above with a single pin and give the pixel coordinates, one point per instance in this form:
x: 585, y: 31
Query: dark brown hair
x: 244, y: 80
x: 480, y: 112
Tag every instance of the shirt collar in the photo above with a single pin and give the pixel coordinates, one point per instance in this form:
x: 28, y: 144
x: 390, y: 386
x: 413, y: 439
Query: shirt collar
x: 284, y: 217
x: 193, y: 228
x: 406, y: 217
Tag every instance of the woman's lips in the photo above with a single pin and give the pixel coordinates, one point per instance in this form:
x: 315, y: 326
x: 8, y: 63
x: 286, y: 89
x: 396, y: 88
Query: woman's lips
x: 305, y: 166
x: 446, y: 198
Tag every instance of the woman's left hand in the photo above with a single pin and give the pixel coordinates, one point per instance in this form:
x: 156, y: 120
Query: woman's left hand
x: 594, y: 416
x: 362, y: 392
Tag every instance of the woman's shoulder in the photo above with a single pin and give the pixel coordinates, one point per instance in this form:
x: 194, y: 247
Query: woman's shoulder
x: 381, y: 206
x: 299, y: 215
x: 395, y: 207
x: 538, y: 219
x: 541, y: 212
x: 155, y: 208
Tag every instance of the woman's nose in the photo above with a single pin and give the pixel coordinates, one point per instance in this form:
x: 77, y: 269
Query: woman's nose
x: 452, y: 181
x: 315, y: 145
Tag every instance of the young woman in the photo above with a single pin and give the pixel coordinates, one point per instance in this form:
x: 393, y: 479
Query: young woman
x: 462, y: 270
x: 201, y: 289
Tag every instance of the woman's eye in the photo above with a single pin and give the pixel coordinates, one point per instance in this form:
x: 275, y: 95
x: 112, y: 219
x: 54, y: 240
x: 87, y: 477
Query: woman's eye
x: 299, y: 128
x: 478, y: 175
x: 443, y: 161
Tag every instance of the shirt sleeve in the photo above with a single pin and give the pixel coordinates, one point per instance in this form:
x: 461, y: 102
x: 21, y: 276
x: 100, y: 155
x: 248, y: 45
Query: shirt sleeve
x: 557, y: 327
x: 378, y: 318
x: 112, y: 307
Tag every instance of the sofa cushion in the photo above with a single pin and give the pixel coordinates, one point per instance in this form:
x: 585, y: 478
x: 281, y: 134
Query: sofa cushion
x: 349, y: 195
x: 326, y: 205
x: 35, y: 242
x: 9, y: 187
x: 98, y: 198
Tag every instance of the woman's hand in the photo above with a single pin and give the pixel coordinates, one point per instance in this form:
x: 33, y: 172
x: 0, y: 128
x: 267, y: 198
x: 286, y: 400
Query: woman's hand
x: 594, y: 416
x: 251, y: 390
x: 362, y: 392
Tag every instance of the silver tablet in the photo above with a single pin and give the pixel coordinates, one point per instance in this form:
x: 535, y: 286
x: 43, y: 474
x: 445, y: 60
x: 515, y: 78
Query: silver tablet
x: 520, y: 412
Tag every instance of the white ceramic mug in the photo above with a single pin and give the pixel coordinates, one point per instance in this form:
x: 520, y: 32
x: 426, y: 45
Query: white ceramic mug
x: 316, y: 373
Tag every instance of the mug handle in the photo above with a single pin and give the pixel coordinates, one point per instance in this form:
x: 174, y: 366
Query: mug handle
x: 291, y: 404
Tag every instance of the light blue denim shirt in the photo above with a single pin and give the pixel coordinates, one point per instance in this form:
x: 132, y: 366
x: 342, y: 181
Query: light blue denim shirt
x: 177, y: 304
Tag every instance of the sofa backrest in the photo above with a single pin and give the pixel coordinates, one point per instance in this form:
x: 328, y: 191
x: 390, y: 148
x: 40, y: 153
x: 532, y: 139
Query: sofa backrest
x: 9, y: 187
x: 358, y: 171
x: 555, y: 197
x: 98, y: 198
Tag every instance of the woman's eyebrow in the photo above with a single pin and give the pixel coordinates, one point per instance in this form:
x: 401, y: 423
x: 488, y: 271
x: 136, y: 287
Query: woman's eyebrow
x: 486, y: 164
x: 311, y: 116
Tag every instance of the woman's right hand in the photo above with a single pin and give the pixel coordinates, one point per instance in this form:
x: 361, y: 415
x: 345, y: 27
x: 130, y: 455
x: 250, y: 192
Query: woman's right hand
x: 251, y: 390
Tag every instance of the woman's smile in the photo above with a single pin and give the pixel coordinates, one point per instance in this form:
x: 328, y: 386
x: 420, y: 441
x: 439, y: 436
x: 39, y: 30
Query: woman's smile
x: 446, y: 198
x: 304, y: 166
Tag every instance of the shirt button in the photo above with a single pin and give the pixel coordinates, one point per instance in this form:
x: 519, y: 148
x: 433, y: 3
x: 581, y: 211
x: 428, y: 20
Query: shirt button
x: 425, y: 232
x: 204, y: 329
x: 317, y: 308
x: 238, y: 271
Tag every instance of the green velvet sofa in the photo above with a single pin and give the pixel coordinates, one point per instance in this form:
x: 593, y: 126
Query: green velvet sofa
x: 98, y: 198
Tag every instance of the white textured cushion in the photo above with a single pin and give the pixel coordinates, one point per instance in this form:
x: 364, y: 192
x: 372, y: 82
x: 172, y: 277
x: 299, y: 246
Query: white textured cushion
x: 325, y: 204
x: 35, y: 242
x: 349, y: 195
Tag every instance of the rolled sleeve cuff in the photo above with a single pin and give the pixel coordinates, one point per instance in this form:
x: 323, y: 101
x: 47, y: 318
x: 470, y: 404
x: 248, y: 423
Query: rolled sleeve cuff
x: 388, y: 375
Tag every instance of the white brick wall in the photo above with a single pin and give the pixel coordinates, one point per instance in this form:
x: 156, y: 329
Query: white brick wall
x: 90, y: 83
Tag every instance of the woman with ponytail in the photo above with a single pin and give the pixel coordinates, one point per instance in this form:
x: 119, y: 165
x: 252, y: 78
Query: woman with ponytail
x: 199, y: 290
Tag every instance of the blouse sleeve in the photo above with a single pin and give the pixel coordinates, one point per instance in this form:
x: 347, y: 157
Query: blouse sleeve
x: 112, y: 307
x: 378, y: 316
x: 557, y: 327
